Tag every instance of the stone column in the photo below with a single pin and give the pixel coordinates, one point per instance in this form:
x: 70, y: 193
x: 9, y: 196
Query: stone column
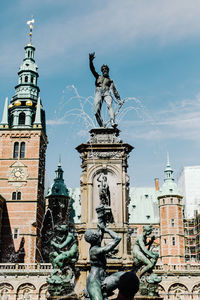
x: 105, y: 153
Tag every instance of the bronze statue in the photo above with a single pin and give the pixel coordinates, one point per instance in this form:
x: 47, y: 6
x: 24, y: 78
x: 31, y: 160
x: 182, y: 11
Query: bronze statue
x: 65, y: 247
x: 99, y: 286
x: 144, y: 261
x: 63, y: 258
x: 104, y: 86
x: 104, y: 191
x: 143, y: 258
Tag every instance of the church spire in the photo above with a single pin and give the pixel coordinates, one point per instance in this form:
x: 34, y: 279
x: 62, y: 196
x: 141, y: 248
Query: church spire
x: 58, y: 187
x: 169, y: 186
x: 168, y: 171
x: 23, y: 111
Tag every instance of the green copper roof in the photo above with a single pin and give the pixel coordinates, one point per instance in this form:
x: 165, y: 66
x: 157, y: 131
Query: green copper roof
x: 27, y: 88
x: 143, y: 206
x: 25, y: 110
x: 58, y: 188
x: 169, y: 186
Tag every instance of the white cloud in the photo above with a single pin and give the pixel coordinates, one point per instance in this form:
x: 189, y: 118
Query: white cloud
x: 115, y: 23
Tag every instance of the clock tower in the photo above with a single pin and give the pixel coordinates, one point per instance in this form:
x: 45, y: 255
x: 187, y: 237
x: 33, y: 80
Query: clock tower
x: 23, y: 143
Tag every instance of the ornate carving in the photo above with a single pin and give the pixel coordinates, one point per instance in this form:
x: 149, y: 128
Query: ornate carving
x: 5, y: 289
x: 18, y: 172
x: 107, y: 154
x: 178, y: 289
x: 196, y: 289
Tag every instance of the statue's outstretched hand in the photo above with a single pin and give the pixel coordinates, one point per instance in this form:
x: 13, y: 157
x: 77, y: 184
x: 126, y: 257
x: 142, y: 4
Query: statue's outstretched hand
x: 92, y: 56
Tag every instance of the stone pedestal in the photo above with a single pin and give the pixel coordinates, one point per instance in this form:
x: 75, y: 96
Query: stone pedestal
x: 104, y: 153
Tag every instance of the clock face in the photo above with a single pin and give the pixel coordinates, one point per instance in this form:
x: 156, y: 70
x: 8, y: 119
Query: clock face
x: 18, y: 173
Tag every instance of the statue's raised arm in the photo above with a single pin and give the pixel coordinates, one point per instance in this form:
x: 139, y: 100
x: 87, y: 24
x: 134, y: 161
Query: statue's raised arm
x: 92, y: 68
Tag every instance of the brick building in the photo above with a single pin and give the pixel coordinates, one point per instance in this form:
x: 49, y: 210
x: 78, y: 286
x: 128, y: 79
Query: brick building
x: 22, y: 166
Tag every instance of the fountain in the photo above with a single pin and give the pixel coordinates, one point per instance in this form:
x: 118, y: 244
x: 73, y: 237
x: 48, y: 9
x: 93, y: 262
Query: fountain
x: 104, y: 265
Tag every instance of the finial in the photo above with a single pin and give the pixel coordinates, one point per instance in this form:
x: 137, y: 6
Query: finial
x: 30, y: 24
x: 168, y: 163
x: 59, y: 161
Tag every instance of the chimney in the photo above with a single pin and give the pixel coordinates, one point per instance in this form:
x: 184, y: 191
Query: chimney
x: 156, y: 184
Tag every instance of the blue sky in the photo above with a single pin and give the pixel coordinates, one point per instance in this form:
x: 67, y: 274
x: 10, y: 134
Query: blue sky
x: 152, y: 49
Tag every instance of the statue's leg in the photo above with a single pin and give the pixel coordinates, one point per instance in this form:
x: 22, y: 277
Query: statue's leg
x: 109, y: 100
x: 97, y: 108
x: 144, y: 261
x: 94, y: 290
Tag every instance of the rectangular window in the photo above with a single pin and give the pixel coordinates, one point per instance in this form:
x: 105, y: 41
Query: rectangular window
x: 14, y: 196
x: 172, y: 222
x: 16, y: 233
x: 22, y: 150
x: 173, y: 241
x: 16, y: 150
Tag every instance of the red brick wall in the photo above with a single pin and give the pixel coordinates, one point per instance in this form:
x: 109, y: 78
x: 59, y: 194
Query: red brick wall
x: 172, y: 247
x: 25, y: 214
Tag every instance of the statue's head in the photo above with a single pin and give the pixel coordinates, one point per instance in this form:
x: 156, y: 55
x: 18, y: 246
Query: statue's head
x: 105, y: 70
x: 92, y: 236
x: 148, y: 229
x: 105, y: 178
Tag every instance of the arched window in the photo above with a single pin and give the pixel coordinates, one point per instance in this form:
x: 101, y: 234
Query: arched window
x: 29, y: 53
x: 14, y: 196
x: 22, y: 118
x: 32, y: 79
x: 22, y: 150
x: 18, y: 195
x: 26, y: 78
x: 16, y: 150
